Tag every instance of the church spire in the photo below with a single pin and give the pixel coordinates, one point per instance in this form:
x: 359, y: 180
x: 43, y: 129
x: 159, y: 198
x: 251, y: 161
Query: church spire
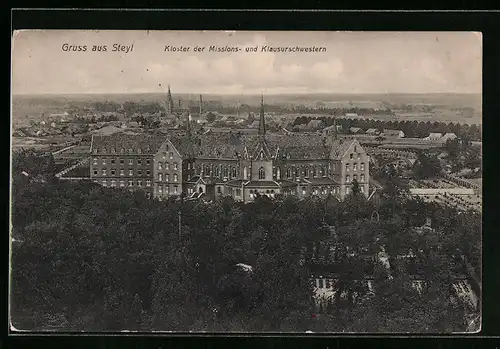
x: 170, y: 101
x: 262, y: 124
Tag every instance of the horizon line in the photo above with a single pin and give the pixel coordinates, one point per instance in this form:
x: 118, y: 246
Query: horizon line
x: 246, y: 94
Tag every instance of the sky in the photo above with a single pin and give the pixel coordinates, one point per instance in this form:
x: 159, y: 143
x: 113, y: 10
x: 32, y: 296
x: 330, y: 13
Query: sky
x: 354, y: 62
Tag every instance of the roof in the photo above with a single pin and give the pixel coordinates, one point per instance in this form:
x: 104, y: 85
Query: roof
x: 262, y: 184
x: 286, y: 183
x: 126, y: 143
x: 341, y: 146
x: 314, y: 123
x: 322, y: 181
x: 235, y: 183
x: 355, y: 129
x: 371, y: 130
x: 107, y: 130
x: 435, y: 135
x: 387, y: 131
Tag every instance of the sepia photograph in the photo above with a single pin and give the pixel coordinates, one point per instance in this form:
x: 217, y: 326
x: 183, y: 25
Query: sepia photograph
x: 245, y: 182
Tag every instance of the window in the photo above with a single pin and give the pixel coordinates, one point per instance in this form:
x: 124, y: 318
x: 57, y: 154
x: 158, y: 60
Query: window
x: 130, y: 183
x: 347, y: 190
x: 139, y: 183
x: 104, y: 183
x: 103, y: 172
x: 297, y: 173
x: 104, y: 161
x: 175, y: 178
x: 170, y: 155
x: 130, y: 172
x: 303, y: 190
x: 262, y: 173
x: 351, y: 156
x: 362, y: 166
x: 167, y: 176
x: 113, y: 183
x: 347, y: 167
x: 159, y: 165
x: 355, y: 177
x: 95, y: 161
x: 245, y: 173
x: 362, y: 178
x: 148, y: 162
x: 122, y: 172
x: 306, y: 172
x: 234, y: 172
x: 347, y: 178
x: 130, y: 150
x: 362, y: 188
x: 139, y: 162
x: 219, y: 190
x: 226, y: 172
x: 122, y: 161
x: 112, y: 161
x: 167, y: 166
x: 175, y: 166
x: 278, y: 173
x: 122, y: 183
x: 160, y: 177
x: 130, y: 161
x: 113, y: 172
x: 139, y: 172
x: 328, y: 283
x: 288, y: 172
x: 139, y: 151
x: 315, y: 191
x: 238, y: 192
x: 148, y: 183
x: 95, y: 172
x: 354, y: 166
x: 217, y: 171
x: 175, y: 190
x: 321, y: 283
x: 160, y: 189
x: 315, y: 172
x: 148, y: 172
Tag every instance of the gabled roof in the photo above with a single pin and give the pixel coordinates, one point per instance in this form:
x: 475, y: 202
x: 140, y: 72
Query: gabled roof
x: 341, y: 146
x: 146, y: 143
x: 372, y: 130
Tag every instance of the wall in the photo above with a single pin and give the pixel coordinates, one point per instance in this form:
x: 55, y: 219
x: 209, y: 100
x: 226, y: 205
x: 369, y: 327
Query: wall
x: 438, y: 191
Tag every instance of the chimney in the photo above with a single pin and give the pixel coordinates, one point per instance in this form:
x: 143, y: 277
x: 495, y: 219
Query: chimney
x: 201, y: 104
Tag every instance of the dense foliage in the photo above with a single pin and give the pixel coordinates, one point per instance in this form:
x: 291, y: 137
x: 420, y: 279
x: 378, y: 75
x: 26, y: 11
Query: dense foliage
x: 92, y: 258
x: 418, y: 129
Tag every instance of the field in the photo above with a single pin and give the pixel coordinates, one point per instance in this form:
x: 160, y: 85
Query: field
x: 462, y: 108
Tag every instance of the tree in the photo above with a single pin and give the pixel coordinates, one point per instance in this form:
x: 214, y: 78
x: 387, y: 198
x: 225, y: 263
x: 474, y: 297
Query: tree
x: 210, y: 117
x: 427, y: 166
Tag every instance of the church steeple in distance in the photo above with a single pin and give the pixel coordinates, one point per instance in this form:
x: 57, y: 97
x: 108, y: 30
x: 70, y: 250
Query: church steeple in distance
x: 170, y: 101
x: 262, y: 123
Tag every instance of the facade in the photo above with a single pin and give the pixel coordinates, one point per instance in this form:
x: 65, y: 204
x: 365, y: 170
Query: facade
x: 232, y: 164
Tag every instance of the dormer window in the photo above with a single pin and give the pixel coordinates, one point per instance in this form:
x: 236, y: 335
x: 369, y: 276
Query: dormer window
x: 122, y: 150
x: 95, y: 151
x: 261, y: 155
x: 113, y: 150
x: 139, y: 151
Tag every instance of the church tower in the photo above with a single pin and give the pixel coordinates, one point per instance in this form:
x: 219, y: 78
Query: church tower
x: 170, y: 102
x: 262, y: 123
